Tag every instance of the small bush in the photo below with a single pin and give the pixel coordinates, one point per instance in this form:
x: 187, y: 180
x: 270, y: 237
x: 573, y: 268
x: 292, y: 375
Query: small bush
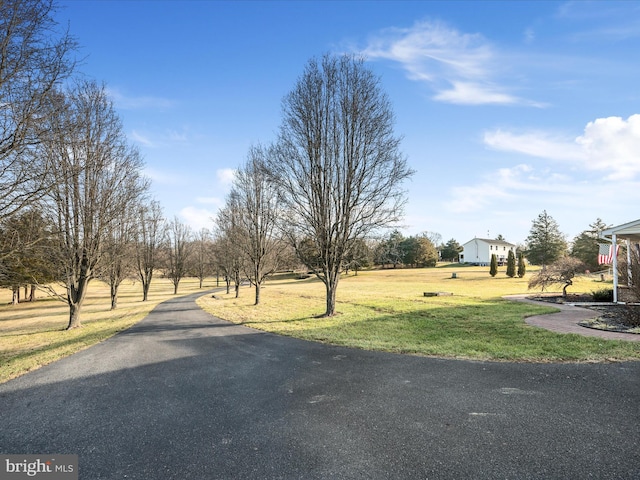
x: 603, y: 295
x: 631, y: 315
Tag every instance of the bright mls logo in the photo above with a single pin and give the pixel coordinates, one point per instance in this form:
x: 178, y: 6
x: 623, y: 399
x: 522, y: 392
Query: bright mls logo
x: 49, y: 467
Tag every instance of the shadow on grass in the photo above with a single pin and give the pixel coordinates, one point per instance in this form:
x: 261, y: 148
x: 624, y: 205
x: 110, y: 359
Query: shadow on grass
x: 486, y: 330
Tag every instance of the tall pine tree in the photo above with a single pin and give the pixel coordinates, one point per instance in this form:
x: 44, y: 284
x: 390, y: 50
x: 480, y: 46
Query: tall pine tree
x: 585, y: 245
x: 545, y: 243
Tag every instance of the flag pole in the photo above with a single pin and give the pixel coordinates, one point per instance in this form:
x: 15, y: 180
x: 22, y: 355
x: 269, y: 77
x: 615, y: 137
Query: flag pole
x: 614, y: 243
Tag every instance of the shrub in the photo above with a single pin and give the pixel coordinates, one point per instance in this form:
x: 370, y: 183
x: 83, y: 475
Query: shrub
x: 561, y: 273
x: 522, y: 268
x: 631, y: 315
x: 511, y: 264
x: 603, y: 295
x: 493, y: 269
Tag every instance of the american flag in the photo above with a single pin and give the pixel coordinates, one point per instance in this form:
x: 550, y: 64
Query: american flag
x: 605, y: 253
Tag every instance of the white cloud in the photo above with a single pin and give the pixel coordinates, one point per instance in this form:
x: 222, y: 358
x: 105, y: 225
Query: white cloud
x: 126, y: 102
x: 461, y: 67
x: 218, y: 202
x: 198, y: 218
x: 143, y: 140
x: 465, y: 93
x: 499, y: 185
x: 529, y: 36
x: 161, y: 139
x: 612, y: 145
x: 609, y: 145
x: 164, y: 177
x: 226, y: 176
x: 534, y: 143
x: 507, y: 199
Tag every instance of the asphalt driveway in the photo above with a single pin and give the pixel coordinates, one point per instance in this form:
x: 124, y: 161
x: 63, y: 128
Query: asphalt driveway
x: 183, y: 395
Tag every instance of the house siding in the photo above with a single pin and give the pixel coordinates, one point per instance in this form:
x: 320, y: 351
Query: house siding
x: 479, y: 250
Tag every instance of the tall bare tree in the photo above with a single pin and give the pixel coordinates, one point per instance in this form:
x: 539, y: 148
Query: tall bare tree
x: 178, y: 251
x: 228, y: 253
x: 34, y: 59
x: 338, y: 168
x: 255, y: 200
x: 202, y: 255
x: 149, y: 238
x: 96, y: 176
x: 118, y: 253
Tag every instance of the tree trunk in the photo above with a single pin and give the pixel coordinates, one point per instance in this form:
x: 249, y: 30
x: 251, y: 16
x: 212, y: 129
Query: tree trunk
x: 175, y: 288
x: 74, y: 316
x: 32, y: 295
x: 257, y: 294
x: 201, y: 279
x: 16, y: 296
x: 145, y: 291
x: 114, y: 297
x: 331, y: 285
x: 75, y: 298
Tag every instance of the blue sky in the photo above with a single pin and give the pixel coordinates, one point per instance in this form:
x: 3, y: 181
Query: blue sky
x: 506, y: 109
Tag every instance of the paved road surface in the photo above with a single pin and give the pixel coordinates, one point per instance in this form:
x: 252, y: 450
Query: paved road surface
x: 183, y: 395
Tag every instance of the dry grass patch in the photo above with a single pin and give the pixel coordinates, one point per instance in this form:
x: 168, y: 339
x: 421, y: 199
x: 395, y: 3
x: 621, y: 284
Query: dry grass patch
x: 33, y: 334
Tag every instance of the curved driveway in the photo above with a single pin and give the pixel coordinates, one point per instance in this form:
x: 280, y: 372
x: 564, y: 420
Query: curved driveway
x: 183, y: 395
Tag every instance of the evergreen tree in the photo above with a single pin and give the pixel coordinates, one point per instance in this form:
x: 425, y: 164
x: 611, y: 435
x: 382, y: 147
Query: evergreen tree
x: 511, y: 264
x: 389, y: 251
x: 522, y: 268
x: 360, y: 256
x: 585, y: 245
x: 451, y: 250
x: 493, y: 270
x: 545, y: 243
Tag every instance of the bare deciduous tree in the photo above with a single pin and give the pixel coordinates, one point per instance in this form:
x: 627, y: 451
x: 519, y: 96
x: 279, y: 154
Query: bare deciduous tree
x: 255, y: 200
x: 96, y: 176
x: 35, y: 58
x: 338, y: 167
x: 149, y: 237
x: 228, y: 253
x: 118, y: 257
x: 561, y: 272
x: 202, y: 255
x: 178, y: 251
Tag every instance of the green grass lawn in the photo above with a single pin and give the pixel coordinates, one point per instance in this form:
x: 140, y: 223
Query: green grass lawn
x: 386, y: 310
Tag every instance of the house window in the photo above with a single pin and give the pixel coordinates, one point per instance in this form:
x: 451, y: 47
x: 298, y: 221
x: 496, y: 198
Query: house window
x: 491, y: 247
x: 504, y: 248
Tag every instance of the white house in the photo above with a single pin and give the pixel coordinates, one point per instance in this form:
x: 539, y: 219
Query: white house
x: 479, y: 250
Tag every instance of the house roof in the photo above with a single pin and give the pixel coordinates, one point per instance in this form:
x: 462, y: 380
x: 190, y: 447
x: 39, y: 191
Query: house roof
x: 492, y: 241
x: 629, y: 231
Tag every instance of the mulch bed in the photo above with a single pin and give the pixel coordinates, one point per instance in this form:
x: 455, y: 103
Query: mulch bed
x: 613, y: 318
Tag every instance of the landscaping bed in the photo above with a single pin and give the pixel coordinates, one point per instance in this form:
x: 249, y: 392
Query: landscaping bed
x: 612, y: 317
